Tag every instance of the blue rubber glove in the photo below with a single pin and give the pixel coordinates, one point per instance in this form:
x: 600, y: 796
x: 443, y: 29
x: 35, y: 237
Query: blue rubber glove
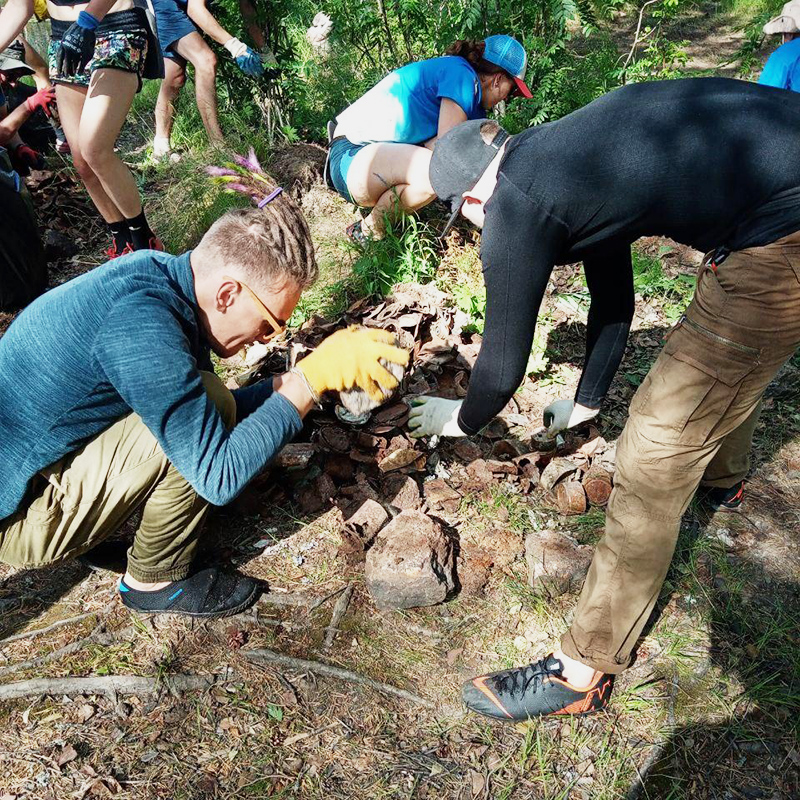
x: 76, y: 49
x: 250, y: 64
x: 247, y: 61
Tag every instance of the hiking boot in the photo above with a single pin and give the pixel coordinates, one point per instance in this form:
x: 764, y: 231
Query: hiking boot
x: 535, y: 691
x: 207, y: 593
x: 718, y: 499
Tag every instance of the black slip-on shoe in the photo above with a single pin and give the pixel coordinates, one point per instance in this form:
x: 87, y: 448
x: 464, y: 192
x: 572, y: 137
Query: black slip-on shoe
x: 534, y: 691
x: 208, y: 593
x: 718, y: 499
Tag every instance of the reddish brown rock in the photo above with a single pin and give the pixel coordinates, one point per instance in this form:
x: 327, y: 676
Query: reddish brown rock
x: 466, y: 450
x: 474, y: 568
x: 558, y: 469
x: 571, y: 497
x: 402, y: 491
x: 440, y: 495
x: 340, y: 467
x: 556, y: 562
x: 480, y: 473
x: 367, y: 520
x: 316, y: 496
x: 411, y: 564
x: 597, y: 483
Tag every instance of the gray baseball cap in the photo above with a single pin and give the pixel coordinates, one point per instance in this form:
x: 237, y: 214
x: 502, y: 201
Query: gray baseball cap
x: 459, y: 160
x: 13, y: 57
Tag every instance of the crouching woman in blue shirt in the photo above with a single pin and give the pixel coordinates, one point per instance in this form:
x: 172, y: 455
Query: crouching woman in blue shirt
x: 381, y: 150
x: 129, y: 413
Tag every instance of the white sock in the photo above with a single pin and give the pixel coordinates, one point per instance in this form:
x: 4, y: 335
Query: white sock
x: 160, y: 146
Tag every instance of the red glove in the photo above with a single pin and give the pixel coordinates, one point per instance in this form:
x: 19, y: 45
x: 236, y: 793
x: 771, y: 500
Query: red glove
x: 43, y: 99
x: 28, y: 156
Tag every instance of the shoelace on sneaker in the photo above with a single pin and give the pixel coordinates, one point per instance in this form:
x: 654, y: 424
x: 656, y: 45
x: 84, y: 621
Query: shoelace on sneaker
x: 517, y: 681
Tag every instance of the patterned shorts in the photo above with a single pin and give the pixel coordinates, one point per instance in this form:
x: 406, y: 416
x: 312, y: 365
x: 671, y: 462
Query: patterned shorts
x: 114, y: 49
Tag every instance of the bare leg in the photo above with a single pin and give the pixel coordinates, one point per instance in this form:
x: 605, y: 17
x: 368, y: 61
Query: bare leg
x: 108, y: 101
x: 201, y: 57
x: 70, y: 106
x: 387, y: 175
x: 171, y: 85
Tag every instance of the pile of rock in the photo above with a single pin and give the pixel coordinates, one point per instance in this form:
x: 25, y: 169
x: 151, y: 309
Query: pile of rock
x: 399, y: 499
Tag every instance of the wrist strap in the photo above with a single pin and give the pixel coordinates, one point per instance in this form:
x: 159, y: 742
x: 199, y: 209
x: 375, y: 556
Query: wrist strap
x: 87, y: 20
x: 314, y: 395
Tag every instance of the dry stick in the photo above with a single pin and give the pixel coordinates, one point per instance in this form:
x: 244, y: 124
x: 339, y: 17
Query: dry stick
x: 304, y: 665
x: 59, y: 624
x: 339, y: 610
x: 95, y: 637
x: 657, y: 751
x: 636, y: 35
x: 317, y: 603
x: 108, y: 685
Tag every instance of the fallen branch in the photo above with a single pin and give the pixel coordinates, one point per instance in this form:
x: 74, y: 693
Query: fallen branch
x: 329, y: 671
x: 97, y: 636
x: 59, y: 624
x: 107, y: 685
x: 322, y: 600
x: 339, y: 610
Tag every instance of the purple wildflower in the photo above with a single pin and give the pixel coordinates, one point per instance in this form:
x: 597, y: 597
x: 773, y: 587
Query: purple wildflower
x: 219, y: 172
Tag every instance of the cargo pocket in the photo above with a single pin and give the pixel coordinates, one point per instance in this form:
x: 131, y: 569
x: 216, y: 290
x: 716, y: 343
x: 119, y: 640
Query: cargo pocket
x: 692, y: 385
x: 720, y: 365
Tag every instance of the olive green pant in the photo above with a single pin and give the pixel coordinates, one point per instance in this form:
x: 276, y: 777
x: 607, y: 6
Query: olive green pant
x: 692, y: 419
x: 85, y: 497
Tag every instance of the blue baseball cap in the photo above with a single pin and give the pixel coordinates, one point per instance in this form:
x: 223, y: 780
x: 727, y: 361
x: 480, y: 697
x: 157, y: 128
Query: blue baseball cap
x: 508, y: 53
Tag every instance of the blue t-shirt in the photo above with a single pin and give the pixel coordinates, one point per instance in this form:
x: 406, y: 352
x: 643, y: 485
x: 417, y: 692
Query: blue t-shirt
x: 782, y: 69
x: 404, y: 106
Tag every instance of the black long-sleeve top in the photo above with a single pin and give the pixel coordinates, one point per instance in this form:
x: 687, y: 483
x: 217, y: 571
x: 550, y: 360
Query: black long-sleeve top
x: 709, y: 162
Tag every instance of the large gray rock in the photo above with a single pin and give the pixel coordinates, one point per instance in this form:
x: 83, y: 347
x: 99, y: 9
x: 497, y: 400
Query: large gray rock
x: 556, y: 562
x: 411, y: 564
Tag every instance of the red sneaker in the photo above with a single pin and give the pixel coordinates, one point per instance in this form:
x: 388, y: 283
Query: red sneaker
x: 113, y: 253
x: 156, y: 244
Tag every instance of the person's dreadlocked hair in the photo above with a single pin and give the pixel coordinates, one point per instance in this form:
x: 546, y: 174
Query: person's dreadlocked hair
x: 264, y: 246
x: 472, y: 51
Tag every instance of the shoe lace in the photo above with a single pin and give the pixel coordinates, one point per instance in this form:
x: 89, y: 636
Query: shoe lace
x: 519, y: 681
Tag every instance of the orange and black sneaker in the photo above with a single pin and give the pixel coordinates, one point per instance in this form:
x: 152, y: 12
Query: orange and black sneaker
x: 537, y: 690
x: 718, y: 499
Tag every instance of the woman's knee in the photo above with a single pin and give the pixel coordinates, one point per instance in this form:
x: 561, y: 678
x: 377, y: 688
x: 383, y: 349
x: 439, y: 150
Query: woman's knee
x: 97, y: 156
x: 221, y: 396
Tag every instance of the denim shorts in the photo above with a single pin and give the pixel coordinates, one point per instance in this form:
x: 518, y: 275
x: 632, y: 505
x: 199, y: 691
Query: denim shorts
x: 120, y: 43
x: 173, y: 24
x: 342, y: 153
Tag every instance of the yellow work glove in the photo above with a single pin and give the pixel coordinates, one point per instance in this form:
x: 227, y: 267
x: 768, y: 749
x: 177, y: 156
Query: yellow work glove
x: 349, y: 359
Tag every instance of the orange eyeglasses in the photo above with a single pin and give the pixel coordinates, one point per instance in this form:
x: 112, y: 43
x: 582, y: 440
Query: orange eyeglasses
x: 277, y: 327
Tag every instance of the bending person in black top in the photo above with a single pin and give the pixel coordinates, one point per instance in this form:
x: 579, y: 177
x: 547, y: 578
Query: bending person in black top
x: 712, y: 163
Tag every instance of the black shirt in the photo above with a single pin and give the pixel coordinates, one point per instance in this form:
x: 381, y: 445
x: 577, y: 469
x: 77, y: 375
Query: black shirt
x: 709, y: 162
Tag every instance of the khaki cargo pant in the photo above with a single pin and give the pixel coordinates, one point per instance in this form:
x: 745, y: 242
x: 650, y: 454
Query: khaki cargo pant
x: 85, y: 497
x: 693, y: 416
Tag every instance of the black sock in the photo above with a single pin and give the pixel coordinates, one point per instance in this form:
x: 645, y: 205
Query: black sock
x: 140, y: 232
x: 120, y: 234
